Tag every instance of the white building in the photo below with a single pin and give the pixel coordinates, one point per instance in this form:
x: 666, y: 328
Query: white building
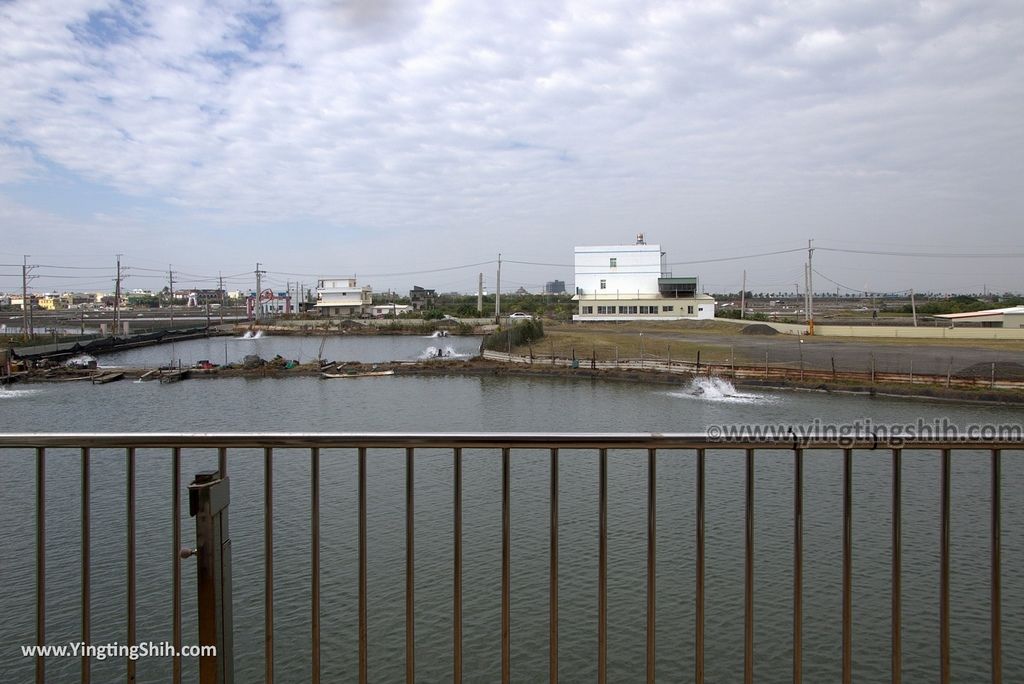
x: 379, y: 310
x: 1012, y: 317
x: 340, y: 296
x: 631, y: 282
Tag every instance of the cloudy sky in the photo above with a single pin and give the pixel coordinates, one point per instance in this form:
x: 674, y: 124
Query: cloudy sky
x: 394, y: 139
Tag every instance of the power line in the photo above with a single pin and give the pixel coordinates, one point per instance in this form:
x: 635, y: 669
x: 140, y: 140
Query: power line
x: 935, y: 255
x: 735, y: 258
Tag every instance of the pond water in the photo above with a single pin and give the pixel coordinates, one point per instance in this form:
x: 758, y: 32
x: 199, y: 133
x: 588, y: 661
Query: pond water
x: 507, y: 404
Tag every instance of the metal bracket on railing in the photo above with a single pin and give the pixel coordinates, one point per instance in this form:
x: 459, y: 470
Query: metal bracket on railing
x: 208, y: 498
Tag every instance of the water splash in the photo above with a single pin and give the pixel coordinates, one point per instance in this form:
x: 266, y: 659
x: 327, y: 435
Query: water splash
x: 80, y: 361
x: 718, y: 390
x: 438, y: 333
x: 250, y: 335
x: 9, y: 393
x: 447, y: 352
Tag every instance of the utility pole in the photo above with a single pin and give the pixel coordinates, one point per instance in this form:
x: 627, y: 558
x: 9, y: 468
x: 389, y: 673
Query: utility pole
x: 256, y: 301
x: 220, y: 286
x: 117, y: 297
x: 913, y: 307
x: 497, y: 294
x: 480, y: 294
x: 170, y: 277
x: 810, y: 285
x: 743, y: 295
x: 25, y: 311
x: 807, y: 302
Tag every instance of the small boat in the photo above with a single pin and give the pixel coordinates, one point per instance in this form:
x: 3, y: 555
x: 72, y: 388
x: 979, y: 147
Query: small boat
x: 104, y: 378
x: 357, y: 374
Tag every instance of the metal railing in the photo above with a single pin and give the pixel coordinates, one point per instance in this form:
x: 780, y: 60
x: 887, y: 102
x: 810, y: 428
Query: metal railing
x: 506, y: 442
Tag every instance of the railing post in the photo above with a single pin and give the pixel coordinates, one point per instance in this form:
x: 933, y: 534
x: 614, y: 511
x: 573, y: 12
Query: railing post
x: 208, y: 498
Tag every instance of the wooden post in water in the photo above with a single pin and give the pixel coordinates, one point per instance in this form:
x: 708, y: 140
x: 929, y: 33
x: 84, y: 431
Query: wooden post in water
x: 698, y: 362
x: 992, y: 386
x: 833, y: 369
x: 872, y: 368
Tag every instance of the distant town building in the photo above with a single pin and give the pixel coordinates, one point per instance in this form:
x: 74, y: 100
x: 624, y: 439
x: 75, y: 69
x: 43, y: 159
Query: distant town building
x: 204, y: 297
x: 554, y: 287
x: 422, y: 298
x: 631, y: 282
x: 341, y: 296
x: 522, y: 291
x: 270, y: 303
x: 380, y: 310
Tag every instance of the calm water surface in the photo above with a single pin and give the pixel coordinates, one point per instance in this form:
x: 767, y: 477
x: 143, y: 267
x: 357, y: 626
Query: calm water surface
x: 373, y: 349
x: 512, y: 404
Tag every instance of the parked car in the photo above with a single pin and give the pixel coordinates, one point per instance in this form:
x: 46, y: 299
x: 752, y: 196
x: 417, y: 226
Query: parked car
x: 519, y: 315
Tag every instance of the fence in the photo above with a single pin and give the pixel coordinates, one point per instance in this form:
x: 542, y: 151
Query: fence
x: 218, y: 668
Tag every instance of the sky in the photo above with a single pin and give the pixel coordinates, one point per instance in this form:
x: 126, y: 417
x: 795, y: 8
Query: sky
x: 409, y: 143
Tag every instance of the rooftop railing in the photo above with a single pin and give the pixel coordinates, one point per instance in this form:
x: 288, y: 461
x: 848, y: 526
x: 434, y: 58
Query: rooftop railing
x: 217, y: 626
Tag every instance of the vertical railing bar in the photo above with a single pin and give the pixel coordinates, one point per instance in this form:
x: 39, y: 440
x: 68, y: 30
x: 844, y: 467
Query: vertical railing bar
x: 506, y: 568
x: 86, y: 560
x: 457, y: 569
x: 132, y: 638
x: 748, y: 576
x: 651, y: 561
x: 176, y: 564
x: 314, y: 560
x: 798, y: 563
x: 602, y: 568
x: 944, y: 665
x: 268, y: 565
x: 362, y: 566
x: 40, y: 562
x: 553, y: 575
x: 410, y: 576
x: 897, y: 569
x: 847, y: 566
x: 996, y: 530
x: 699, y: 608
x: 222, y: 461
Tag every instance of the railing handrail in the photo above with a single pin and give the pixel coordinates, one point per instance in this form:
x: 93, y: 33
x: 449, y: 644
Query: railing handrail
x: 517, y: 440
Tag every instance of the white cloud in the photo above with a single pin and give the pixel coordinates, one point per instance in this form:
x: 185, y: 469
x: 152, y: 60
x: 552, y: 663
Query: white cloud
x: 420, y: 122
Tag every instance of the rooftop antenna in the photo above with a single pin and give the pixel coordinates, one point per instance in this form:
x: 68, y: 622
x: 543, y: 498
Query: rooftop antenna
x: 640, y: 239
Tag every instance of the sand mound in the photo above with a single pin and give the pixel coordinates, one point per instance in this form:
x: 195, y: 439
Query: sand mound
x: 759, y: 329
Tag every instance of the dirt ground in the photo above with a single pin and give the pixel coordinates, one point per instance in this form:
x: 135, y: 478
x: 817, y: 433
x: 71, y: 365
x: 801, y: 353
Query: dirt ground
x: 719, y: 342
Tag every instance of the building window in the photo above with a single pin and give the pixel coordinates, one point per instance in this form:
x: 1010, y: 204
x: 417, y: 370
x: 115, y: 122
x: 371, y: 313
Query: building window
x: 666, y: 309
x: 604, y: 283
x: 632, y: 309
x: 613, y: 262
x: 623, y: 310
x: 689, y: 309
x: 588, y: 309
